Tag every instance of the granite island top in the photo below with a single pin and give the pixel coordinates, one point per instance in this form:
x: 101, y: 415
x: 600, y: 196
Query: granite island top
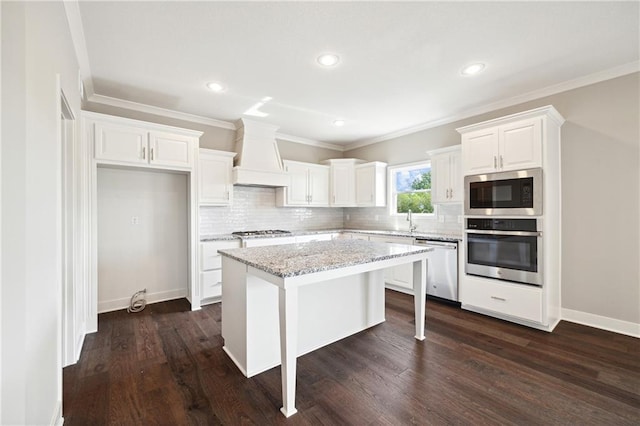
x: 436, y: 235
x: 290, y: 260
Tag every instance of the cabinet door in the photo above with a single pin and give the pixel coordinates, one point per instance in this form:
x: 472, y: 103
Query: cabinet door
x: 168, y: 149
x: 298, y: 189
x: 343, y: 185
x: 365, y: 185
x: 120, y: 143
x: 480, y: 151
x: 215, y: 180
x: 456, y: 182
x: 319, y: 186
x: 521, y: 145
x: 440, y: 178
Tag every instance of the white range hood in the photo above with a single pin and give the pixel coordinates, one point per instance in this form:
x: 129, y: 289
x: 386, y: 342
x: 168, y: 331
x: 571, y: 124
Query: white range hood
x: 258, y: 161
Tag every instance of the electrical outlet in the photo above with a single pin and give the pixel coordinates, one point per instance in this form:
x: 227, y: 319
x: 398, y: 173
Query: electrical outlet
x: 348, y: 216
x: 377, y: 217
x: 135, y: 220
x: 459, y: 218
x: 441, y: 219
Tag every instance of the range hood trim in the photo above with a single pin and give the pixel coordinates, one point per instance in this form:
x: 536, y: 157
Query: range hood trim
x: 244, y: 176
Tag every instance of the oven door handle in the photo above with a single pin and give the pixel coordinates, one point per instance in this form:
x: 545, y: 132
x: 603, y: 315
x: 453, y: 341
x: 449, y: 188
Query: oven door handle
x: 514, y: 233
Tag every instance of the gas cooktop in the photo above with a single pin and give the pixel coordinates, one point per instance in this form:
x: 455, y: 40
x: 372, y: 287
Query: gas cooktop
x: 262, y: 232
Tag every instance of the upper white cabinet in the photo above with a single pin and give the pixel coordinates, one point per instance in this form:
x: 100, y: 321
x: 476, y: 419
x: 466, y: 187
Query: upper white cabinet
x: 214, y: 177
x: 371, y: 184
x: 308, y: 185
x: 506, y: 145
x: 342, y: 181
x: 446, y: 175
x: 130, y: 142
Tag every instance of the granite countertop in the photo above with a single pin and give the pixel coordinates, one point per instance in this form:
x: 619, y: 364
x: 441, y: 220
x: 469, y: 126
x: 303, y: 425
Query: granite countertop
x: 290, y: 260
x: 443, y: 236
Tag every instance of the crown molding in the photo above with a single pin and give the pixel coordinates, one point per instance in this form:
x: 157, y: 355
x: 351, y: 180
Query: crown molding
x: 72, y: 10
x: 150, y: 109
x: 305, y: 141
x: 587, y: 80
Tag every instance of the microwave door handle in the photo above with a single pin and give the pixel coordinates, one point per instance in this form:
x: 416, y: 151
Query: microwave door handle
x: 514, y: 233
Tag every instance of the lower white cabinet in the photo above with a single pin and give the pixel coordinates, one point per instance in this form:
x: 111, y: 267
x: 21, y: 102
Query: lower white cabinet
x: 211, y: 269
x: 267, y: 241
x: 316, y: 237
x: 513, y: 300
x: 398, y: 277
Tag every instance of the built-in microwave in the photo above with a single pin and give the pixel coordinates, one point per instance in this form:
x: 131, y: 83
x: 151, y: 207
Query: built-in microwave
x: 515, y: 193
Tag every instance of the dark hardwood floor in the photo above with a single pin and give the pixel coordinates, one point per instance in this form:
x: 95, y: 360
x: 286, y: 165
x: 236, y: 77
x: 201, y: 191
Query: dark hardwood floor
x: 166, y: 366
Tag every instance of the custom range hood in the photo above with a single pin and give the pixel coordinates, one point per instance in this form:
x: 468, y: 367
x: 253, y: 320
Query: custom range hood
x: 258, y: 161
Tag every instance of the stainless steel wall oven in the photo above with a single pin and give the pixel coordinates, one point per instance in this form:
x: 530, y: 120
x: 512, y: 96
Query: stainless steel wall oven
x: 516, y: 193
x: 505, y: 249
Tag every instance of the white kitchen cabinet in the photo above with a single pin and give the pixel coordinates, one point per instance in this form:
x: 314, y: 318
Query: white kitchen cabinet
x: 342, y: 181
x: 510, y: 146
x: 446, y: 175
x: 308, y: 185
x: 122, y: 141
x: 214, y: 177
x: 316, y: 237
x: 211, y: 269
x: 519, y: 141
x: 267, y: 241
x: 397, y: 277
x: 371, y: 184
x: 504, y: 298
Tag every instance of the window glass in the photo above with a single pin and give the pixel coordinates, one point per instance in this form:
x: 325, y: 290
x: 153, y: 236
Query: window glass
x: 411, y: 189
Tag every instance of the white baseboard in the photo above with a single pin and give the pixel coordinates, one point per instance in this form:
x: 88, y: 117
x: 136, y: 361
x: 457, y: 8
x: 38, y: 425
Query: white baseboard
x: 161, y: 296
x: 605, y: 323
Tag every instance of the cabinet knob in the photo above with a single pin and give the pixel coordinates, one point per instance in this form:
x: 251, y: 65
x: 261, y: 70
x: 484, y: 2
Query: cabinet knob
x: 144, y: 153
x: 501, y: 162
x: 151, y: 156
x: 495, y: 162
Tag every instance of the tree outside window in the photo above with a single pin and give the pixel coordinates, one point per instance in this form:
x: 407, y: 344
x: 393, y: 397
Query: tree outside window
x: 411, y: 189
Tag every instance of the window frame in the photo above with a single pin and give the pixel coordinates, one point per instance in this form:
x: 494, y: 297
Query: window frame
x: 392, y: 196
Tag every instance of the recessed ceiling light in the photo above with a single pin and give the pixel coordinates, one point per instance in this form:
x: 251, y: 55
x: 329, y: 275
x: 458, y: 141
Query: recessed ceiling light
x: 215, y: 87
x: 328, y: 59
x: 338, y: 123
x: 472, y: 69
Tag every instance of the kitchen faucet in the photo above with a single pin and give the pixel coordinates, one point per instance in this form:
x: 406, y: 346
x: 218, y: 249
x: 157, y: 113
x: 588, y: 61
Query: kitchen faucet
x: 412, y: 227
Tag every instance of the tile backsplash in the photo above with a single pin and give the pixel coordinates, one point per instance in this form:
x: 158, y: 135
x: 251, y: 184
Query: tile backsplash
x: 447, y: 219
x: 255, y: 208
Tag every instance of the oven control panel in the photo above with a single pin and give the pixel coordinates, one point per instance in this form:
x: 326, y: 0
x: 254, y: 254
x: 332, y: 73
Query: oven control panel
x: 487, y: 224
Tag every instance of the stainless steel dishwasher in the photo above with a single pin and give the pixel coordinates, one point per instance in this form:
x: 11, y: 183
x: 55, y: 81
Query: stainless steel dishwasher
x: 443, y: 268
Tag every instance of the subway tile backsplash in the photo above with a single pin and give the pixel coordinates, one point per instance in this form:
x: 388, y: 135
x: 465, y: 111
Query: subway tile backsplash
x: 254, y: 208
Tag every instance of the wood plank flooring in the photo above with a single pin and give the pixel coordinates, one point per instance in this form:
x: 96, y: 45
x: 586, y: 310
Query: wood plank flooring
x: 166, y: 366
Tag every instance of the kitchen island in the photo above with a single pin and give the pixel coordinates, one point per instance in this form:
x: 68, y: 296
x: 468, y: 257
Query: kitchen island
x: 283, y: 301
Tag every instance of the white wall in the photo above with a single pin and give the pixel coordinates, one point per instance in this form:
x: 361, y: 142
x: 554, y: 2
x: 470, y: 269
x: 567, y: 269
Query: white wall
x: 152, y: 253
x: 600, y: 190
x: 36, y: 47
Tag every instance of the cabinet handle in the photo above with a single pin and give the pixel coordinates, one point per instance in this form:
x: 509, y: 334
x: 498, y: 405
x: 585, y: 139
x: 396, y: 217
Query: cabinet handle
x: 501, y: 162
x: 447, y: 194
x: 451, y: 193
x: 495, y: 162
x: 334, y: 199
x: 498, y: 298
x: 218, y: 283
x: 144, y: 154
x: 151, y: 157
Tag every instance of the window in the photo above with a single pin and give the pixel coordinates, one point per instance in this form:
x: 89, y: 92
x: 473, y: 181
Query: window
x: 410, y: 188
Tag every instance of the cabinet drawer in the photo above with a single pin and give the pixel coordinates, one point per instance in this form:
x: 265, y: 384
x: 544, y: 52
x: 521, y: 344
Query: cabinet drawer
x: 209, y: 257
x: 516, y: 300
x: 211, y: 282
